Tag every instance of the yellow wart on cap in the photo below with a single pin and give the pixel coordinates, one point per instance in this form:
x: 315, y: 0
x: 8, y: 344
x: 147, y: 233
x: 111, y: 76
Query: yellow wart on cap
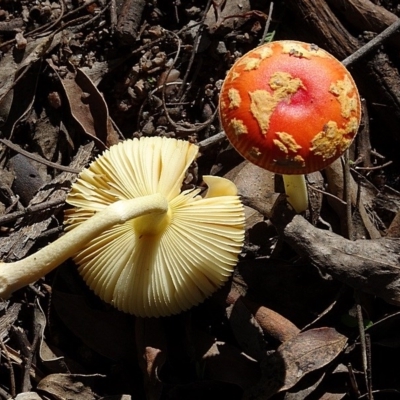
x: 263, y: 103
x: 233, y: 75
x: 264, y: 52
x: 289, y: 141
x: 238, y: 127
x: 299, y: 51
x: 329, y: 141
x: 342, y: 89
x: 234, y: 98
x: 254, y: 152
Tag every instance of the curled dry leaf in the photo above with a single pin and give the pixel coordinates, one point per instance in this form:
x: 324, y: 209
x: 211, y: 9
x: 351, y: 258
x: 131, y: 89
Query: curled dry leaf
x: 88, y: 107
x: 306, y: 352
x: 309, y: 351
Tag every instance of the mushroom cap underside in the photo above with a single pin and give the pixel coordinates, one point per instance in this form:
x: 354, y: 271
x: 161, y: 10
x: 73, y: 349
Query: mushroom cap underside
x: 156, y: 265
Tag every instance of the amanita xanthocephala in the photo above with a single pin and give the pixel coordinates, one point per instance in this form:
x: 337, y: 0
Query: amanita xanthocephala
x: 291, y: 108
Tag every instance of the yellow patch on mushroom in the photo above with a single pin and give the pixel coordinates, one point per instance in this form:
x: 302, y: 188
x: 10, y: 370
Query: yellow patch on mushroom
x: 329, y: 141
x: 288, y: 140
x: 288, y: 161
x: 264, y: 52
x: 297, y: 50
x: 283, y: 84
x: 238, y: 127
x: 254, y: 152
x: 234, y: 98
x: 299, y: 160
x: 262, y: 106
x: 263, y: 103
x: 281, y: 146
x: 342, y: 89
x: 222, y: 104
x: 250, y: 63
x: 352, y: 126
x: 234, y: 75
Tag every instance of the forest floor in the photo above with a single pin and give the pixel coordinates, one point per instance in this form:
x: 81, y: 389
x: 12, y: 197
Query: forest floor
x: 311, y: 311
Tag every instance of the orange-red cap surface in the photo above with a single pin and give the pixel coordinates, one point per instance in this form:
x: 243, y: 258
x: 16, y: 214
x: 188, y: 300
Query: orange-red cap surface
x: 290, y: 107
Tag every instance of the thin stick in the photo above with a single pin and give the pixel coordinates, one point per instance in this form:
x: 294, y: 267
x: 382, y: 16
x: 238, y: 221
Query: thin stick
x: 37, y: 158
x: 347, y: 195
x: 4, y: 219
x: 268, y: 23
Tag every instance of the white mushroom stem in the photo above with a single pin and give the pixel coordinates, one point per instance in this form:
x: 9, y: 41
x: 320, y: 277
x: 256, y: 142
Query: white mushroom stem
x: 296, y: 192
x: 16, y: 275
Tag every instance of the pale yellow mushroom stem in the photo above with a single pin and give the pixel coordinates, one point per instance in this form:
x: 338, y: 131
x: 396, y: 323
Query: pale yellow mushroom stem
x: 296, y: 192
x: 14, y: 276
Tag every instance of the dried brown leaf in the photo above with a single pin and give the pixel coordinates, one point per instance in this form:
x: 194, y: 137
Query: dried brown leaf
x: 307, y: 352
x: 88, y: 107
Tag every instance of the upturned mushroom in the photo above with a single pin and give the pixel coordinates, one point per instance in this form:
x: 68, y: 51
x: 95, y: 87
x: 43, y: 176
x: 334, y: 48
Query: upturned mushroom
x: 291, y: 108
x: 141, y: 243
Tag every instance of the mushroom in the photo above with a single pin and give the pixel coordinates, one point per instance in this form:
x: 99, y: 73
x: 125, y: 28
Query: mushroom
x: 141, y: 243
x: 291, y: 108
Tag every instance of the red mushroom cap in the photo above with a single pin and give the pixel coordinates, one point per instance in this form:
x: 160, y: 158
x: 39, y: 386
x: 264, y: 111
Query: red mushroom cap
x: 290, y: 107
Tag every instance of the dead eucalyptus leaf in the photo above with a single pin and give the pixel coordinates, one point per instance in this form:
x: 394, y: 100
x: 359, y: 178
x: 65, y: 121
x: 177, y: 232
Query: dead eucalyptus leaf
x: 88, y: 107
x: 295, y: 358
x: 309, y: 351
x: 18, y: 79
x: 255, y: 185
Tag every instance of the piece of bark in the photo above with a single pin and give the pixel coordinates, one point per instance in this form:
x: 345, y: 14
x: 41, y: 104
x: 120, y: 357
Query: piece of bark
x: 129, y: 20
x: 323, y: 24
x: 367, y: 16
x: 7, y: 320
x: 371, y: 266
